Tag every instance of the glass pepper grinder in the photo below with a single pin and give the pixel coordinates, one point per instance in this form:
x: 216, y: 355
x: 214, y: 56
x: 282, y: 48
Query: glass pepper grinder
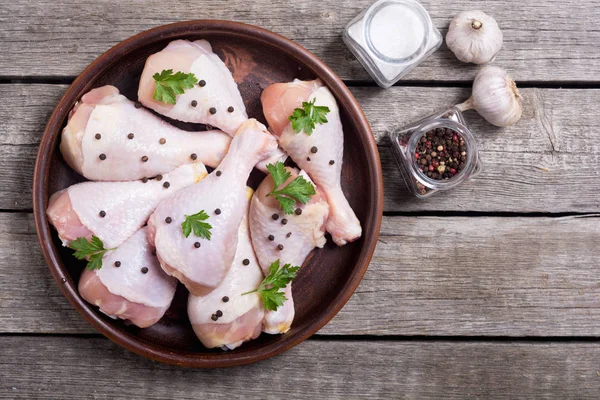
x: 436, y: 153
x: 390, y: 38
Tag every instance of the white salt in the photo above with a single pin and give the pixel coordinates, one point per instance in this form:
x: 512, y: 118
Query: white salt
x: 401, y: 35
x: 397, y: 31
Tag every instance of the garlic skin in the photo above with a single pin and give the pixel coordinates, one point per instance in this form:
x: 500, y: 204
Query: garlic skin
x: 495, y: 97
x: 474, y: 37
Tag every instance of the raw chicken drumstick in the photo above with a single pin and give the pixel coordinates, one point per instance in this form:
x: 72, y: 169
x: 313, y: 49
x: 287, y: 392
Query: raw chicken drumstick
x: 130, y: 285
x: 319, y: 154
x: 215, y: 100
x: 113, y: 211
x: 108, y: 138
x: 224, y: 317
x: 289, y: 238
x: 201, y: 261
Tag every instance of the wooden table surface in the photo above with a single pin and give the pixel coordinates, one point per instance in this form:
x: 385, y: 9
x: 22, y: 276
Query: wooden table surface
x: 491, y: 290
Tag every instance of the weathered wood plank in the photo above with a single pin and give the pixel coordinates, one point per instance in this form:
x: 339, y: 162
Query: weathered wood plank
x: 25, y: 115
x: 44, y: 368
x: 30, y: 298
x: 429, y: 276
x: 479, y: 276
x: 541, y: 40
x: 24, y: 118
x: 545, y: 163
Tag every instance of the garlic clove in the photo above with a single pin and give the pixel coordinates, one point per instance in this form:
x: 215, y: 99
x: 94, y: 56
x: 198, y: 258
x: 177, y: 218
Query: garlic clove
x: 474, y: 37
x: 495, y: 97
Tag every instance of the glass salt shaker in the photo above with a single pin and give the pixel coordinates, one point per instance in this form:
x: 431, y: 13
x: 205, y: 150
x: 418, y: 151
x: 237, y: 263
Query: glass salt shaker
x: 392, y: 37
x: 410, y: 146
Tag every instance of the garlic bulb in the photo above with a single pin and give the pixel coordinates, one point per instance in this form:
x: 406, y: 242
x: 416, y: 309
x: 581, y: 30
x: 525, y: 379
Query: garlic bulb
x: 495, y: 97
x: 474, y: 37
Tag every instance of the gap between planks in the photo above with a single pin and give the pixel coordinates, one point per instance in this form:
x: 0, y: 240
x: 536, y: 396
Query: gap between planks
x: 368, y: 338
x: 67, y: 80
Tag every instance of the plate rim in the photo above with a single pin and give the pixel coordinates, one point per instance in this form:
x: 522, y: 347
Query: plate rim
x: 48, y: 143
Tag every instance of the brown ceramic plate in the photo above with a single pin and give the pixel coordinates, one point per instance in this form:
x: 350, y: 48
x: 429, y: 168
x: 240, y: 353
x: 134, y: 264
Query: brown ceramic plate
x: 257, y: 58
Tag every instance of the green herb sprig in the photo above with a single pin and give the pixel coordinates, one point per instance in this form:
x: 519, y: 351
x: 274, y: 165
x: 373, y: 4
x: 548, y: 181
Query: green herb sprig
x: 92, y: 250
x: 297, y: 190
x: 278, y: 278
x: 196, y: 223
x: 169, y: 85
x: 306, y: 118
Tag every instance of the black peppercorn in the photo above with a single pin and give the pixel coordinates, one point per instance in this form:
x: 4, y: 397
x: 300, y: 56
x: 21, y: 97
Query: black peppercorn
x: 168, y: 220
x: 145, y: 270
x: 212, y: 110
x: 202, y: 83
x: 218, y: 173
x: 162, y: 140
x: 218, y: 211
x: 194, y: 103
x: 197, y: 245
x: 102, y: 156
x: 225, y: 299
x: 246, y: 261
x: 130, y: 136
x: 230, y: 109
x: 219, y: 313
x: 166, y: 185
x: 193, y: 156
x: 314, y: 149
x: 138, y: 104
x: 280, y: 246
x: 117, y: 264
x: 145, y: 180
x: 307, y: 158
x: 331, y: 162
x: 271, y: 237
x: 275, y: 217
x: 144, y: 158
x: 298, y: 211
x: 284, y: 221
x: 102, y: 214
x: 288, y: 234
x: 214, y: 317
x: 159, y: 177
x: 97, y: 136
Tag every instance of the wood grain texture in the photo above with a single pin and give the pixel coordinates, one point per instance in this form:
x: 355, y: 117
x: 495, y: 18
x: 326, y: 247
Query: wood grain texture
x: 24, y: 118
x: 543, y: 41
x: 545, y: 163
x: 479, y: 276
x: 44, y: 369
x: 429, y: 276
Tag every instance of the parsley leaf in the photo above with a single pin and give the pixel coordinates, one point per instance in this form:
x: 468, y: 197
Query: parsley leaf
x: 194, y: 223
x: 287, y: 204
x: 279, y: 173
x: 169, y: 85
x: 272, y: 298
x: 278, y: 278
x: 92, y: 250
x: 297, y: 190
x: 306, y: 117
